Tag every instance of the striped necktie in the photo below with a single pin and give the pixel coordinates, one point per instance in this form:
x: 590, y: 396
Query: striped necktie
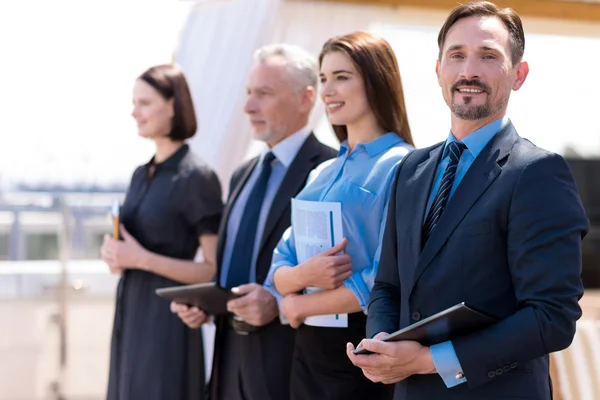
x: 455, y: 150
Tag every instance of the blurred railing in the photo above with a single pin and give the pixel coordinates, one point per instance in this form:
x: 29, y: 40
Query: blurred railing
x: 55, y: 329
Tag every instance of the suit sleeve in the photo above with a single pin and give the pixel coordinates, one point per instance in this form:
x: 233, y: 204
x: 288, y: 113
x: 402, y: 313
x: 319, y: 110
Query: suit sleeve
x: 383, y: 313
x: 546, y: 224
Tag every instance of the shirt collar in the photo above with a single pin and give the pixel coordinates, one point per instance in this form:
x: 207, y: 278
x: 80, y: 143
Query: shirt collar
x: 286, y: 150
x: 477, y: 140
x: 376, y: 146
x: 174, y: 159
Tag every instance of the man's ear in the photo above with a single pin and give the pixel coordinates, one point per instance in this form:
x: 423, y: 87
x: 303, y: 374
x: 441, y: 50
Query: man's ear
x: 307, y: 99
x: 522, y: 72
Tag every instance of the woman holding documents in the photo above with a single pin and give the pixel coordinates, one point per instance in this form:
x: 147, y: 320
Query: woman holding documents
x: 172, y: 207
x: 326, y: 295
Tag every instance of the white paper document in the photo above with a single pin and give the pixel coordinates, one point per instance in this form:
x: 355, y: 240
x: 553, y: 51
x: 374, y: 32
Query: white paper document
x: 317, y: 228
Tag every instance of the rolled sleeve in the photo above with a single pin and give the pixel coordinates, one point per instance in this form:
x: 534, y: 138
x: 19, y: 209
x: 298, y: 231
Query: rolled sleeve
x: 284, y: 255
x: 357, y: 285
x: 447, y: 364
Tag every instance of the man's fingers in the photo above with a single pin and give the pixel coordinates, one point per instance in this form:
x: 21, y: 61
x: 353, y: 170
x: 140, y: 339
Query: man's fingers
x: 192, y: 312
x: 191, y: 316
x: 376, y: 346
x: 361, y: 360
x: 239, y: 303
x: 349, y: 349
x: 194, y: 320
x: 244, y: 300
x: 244, y: 289
x: 371, y: 376
x: 188, y: 314
x: 178, y: 307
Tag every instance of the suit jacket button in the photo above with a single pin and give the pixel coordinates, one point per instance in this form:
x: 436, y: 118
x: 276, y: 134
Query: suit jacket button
x: 416, y: 316
x: 513, y: 365
x: 506, y: 368
x: 491, y: 374
x: 499, y: 371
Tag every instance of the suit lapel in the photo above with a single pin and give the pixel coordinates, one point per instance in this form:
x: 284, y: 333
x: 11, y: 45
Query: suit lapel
x: 479, y: 177
x: 239, y: 185
x: 423, y: 179
x: 293, y: 181
x: 415, y: 192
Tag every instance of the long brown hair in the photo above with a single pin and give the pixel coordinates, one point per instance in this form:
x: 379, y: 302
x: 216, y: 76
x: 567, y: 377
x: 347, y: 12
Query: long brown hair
x: 170, y: 82
x: 376, y: 62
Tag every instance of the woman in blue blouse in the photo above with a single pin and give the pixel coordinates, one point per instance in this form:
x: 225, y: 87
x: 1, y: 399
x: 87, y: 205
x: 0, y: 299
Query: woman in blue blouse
x: 362, y: 91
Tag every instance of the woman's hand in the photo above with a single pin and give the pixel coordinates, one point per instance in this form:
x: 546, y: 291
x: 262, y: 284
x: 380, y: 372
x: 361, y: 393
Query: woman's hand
x: 290, y: 306
x: 327, y: 270
x: 119, y: 255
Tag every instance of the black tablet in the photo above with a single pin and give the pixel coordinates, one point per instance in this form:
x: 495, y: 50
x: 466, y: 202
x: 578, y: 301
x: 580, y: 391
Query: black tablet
x: 209, y: 297
x: 453, y: 322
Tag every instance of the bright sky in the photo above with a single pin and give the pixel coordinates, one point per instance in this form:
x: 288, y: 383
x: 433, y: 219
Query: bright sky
x: 68, y: 68
x: 67, y: 73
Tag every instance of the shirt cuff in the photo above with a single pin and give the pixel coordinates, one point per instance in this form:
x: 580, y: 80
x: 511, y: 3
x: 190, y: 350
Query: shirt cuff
x: 447, y: 364
x: 269, y: 285
x: 359, y: 289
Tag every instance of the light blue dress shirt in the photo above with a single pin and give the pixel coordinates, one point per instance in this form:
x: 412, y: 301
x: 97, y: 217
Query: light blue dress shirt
x: 443, y: 354
x: 284, y: 152
x: 361, y: 182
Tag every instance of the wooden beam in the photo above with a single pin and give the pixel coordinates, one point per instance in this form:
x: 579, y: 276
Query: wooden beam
x: 562, y: 10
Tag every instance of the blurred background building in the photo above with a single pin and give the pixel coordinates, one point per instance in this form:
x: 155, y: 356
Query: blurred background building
x: 69, y: 144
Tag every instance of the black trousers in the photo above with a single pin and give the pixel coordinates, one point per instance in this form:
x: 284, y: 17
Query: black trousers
x: 235, y: 375
x: 321, y: 369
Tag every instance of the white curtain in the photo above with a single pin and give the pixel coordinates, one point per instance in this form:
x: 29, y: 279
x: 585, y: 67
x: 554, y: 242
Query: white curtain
x: 215, y: 51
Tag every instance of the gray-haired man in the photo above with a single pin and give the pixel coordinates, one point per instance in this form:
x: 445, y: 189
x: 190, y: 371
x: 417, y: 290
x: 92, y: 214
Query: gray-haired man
x: 253, y: 350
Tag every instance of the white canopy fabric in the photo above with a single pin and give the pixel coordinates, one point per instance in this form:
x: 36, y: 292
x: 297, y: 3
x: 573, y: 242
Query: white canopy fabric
x: 216, y: 69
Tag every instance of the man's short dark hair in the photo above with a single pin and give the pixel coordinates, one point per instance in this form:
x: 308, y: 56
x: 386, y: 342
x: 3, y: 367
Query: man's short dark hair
x: 508, y: 16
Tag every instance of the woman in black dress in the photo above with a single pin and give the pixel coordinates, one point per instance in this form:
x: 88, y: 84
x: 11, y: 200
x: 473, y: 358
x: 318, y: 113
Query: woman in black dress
x: 173, y: 206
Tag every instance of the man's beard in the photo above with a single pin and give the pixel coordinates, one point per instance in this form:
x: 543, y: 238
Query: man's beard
x: 471, y: 112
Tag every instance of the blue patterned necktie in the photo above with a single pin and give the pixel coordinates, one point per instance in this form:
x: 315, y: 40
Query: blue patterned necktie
x: 455, y: 150
x: 241, y: 257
